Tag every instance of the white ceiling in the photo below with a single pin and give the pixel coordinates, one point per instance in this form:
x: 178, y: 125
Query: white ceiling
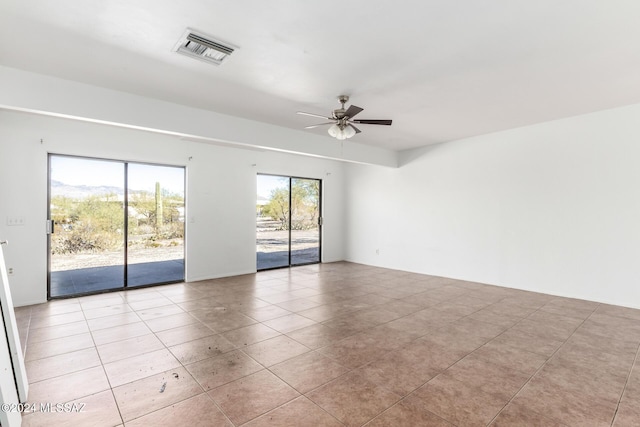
x: 441, y: 69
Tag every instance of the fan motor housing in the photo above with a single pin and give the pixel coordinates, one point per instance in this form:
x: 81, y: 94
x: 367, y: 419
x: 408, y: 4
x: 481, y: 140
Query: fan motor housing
x: 338, y: 113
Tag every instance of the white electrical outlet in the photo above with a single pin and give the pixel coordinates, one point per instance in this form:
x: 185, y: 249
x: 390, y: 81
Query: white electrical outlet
x: 10, y: 271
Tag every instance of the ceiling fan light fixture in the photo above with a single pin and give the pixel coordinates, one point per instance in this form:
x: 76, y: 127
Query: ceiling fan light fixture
x: 334, y: 131
x: 341, y: 131
x: 349, y: 131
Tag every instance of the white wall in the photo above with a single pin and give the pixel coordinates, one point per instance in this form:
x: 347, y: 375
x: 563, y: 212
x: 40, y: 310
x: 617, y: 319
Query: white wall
x: 220, y: 196
x: 37, y: 93
x: 552, y: 208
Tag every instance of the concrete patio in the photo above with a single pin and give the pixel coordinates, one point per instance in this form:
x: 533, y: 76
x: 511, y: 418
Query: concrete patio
x: 95, y: 279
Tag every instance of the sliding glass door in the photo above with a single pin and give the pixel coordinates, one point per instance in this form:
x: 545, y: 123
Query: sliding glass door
x: 155, y: 249
x: 305, y: 221
x: 288, y: 221
x: 86, y: 205
x: 95, y: 206
x: 272, y: 226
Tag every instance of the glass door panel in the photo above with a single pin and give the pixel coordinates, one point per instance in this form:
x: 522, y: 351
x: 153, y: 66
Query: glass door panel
x: 86, y: 205
x: 96, y: 206
x: 288, y: 221
x: 155, y: 246
x: 272, y: 223
x: 305, y: 227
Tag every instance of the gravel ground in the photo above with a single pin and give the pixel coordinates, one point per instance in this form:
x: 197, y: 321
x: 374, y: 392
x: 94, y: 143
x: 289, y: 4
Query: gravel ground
x: 267, y: 240
x: 102, y: 259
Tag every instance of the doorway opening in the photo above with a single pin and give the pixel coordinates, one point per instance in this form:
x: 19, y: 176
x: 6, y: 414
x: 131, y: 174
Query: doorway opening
x: 113, y: 225
x: 288, y: 221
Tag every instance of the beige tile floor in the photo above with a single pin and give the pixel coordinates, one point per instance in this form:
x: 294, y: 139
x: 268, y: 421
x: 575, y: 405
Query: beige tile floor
x: 330, y: 345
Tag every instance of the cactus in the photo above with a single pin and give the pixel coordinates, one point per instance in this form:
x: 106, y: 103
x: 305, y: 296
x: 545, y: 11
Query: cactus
x: 159, y: 216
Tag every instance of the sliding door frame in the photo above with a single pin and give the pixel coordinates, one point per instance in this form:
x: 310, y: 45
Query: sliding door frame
x: 125, y: 286
x: 320, y: 220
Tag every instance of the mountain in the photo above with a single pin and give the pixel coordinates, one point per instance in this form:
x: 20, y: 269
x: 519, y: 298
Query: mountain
x: 59, y: 188
x: 79, y: 191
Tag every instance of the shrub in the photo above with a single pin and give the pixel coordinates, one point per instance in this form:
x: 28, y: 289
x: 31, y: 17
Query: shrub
x: 84, y: 238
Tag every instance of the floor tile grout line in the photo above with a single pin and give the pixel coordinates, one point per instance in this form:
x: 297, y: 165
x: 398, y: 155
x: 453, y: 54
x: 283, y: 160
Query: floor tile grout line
x: 624, y: 389
x: 189, y: 372
x: 170, y: 404
x: 104, y: 369
x: 264, y: 368
x: 351, y: 370
x: 400, y: 402
x: 444, y: 369
x: 268, y: 368
x: 219, y: 408
x: 92, y: 367
x: 62, y: 352
x: 471, y: 352
x: 307, y: 394
x: 167, y: 348
x: 269, y: 410
x: 539, y: 369
x: 368, y: 329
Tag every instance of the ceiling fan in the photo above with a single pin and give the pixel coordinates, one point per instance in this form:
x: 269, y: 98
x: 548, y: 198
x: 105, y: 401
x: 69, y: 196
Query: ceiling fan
x: 343, y: 120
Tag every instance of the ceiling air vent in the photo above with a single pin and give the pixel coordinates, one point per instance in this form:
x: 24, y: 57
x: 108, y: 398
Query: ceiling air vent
x: 202, y: 47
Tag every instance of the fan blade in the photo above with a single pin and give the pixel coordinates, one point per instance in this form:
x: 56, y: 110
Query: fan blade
x: 355, y: 128
x: 352, y: 111
x: 373, y: 122
x: 319, y: 124
x: 313, y: 115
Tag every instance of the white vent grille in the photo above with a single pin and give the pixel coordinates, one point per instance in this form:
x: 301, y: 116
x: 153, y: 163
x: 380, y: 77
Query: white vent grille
x: 203, y: 47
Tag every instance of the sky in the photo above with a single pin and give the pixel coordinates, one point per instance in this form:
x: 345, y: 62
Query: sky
x: 91, y: 172
x: 94, y: 172
x: 266, y: 183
